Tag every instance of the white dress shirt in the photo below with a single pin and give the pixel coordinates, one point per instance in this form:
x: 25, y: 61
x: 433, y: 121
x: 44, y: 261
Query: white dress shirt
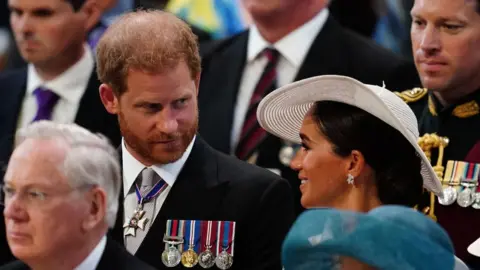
x: 69, y: 86
x: 293, y: 49
x: 131, y: 168
x: 91, y: 262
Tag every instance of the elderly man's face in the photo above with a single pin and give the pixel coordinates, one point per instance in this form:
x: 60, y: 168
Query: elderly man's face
x: 43, y: 214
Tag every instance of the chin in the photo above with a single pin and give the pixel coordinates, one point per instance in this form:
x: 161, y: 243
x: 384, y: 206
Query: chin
x: 24, y: 253
x: 436, y: 84
x: 166, y: 158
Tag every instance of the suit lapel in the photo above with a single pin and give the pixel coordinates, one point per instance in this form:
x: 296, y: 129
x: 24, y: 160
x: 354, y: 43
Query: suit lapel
x: 86, y: 112
x: 11, y: 95
x: 219, y: 93
x: 196, y: 194
x: 92, y: 115
x: 117, y: 232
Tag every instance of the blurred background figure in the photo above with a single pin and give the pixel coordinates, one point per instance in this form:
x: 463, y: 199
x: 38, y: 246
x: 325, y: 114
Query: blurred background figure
x: 61, y: 195
x: 220, y: 18
x: 59, y: 83
x: 392, y: 29
x: 388, y: 237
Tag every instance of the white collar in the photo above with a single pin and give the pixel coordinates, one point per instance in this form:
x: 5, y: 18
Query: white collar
x: 94, y: 257
x: 294, y: 46
x: 75, y: 77
x: 168, y: 172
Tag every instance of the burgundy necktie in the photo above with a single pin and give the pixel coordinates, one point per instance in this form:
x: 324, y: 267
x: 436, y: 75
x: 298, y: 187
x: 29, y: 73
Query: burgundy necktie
x: 252, y: 134
x: 46, y: 100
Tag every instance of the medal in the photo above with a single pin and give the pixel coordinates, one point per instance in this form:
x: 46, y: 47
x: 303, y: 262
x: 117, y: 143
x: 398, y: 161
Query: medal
x: 137, y: 221
x: 206, y: 259
x: 286, y: 154
x: 171, y: 256
x: 189, y: 258
x: 192, y: 233
x: 449, y: 196
x: 224, y: 260
x: 173, y: 240
x: 476, y: 204
x: 466, y: 197
x: 226, y: 230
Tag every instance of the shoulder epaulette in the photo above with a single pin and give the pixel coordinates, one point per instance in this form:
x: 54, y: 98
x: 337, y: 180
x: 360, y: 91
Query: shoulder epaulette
x: 412, y: 95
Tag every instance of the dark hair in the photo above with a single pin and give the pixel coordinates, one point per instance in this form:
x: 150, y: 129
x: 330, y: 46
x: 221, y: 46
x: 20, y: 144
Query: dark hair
x: 76, y: 4
x: 394, y: 160
x: 478, y: 6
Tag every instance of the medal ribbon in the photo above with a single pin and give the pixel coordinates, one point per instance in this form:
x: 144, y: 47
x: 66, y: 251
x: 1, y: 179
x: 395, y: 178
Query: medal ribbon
x: 226, y: 236
x: 175, y: 228
x: 152, y: 193
x: 193, y: 233
x: 209, y: 229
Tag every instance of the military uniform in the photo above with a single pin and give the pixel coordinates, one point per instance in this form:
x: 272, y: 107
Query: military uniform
x: 459, y: 125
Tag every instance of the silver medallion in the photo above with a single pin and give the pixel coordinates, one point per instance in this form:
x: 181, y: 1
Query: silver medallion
x: 171, y: 256
x: 206, y: 259
x: 449, y: 196
x: 476, y: 205
x: 466, y: 197
x: 224, y: 260
x: 286, y: 155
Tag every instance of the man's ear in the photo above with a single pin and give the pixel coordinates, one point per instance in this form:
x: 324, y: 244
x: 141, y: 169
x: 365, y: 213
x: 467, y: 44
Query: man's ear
x: 109, y: 99
x: 92, y: 13
x: 97, y: 208
x: 197, y: 82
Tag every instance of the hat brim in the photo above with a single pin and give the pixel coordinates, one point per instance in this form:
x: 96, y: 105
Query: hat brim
x: 474, y: 248
x: 281, y: 112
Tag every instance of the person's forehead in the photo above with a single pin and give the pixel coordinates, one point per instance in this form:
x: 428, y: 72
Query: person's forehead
x: 444, y: 8
x: 37, y: 162
x: 41, y: 4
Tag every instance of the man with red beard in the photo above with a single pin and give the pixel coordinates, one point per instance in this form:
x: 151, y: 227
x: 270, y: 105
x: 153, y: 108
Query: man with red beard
x: 171, y: 177
x: 446, y: 46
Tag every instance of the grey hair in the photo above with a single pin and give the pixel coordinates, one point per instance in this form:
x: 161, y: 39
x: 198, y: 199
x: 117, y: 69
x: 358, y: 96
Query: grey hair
x: 90, y: 159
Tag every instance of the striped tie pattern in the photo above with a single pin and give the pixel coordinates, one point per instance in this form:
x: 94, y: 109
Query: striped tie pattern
x: 252, y: 134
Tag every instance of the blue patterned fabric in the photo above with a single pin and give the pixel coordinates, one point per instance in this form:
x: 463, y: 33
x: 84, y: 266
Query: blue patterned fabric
x: 388, y: 237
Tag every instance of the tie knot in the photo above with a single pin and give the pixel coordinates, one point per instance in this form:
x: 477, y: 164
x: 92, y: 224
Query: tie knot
x: 148, y: 178
x: 45, y: 97
x: 271, y: 54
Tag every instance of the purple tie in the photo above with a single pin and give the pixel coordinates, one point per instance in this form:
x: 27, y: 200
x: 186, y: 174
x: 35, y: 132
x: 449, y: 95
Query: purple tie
x: 46, y: 100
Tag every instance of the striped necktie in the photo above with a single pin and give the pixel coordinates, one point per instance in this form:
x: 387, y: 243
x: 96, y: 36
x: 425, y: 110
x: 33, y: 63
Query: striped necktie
x: 252, y: 134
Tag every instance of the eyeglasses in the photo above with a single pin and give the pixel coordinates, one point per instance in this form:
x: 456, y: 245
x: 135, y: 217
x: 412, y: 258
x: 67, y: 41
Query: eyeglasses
x: 32, y: 196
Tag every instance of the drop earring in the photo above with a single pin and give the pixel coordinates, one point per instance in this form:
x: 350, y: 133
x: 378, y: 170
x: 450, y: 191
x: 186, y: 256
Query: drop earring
x: 350, y: 179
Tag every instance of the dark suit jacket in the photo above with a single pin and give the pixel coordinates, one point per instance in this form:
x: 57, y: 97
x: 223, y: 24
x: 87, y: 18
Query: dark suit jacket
x: 114, y: 257
x: 214, y: 186
x: 335, y: 50
x: 91, y: 115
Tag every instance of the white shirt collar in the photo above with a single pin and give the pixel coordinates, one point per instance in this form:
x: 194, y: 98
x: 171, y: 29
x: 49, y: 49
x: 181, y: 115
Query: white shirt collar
x: 294, y: 46
x: 91, y: 262
x: 75, y: 77
x: 168, y: 172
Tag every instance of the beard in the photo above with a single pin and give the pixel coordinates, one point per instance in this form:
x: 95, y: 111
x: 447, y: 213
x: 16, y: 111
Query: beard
x: 150, y: 151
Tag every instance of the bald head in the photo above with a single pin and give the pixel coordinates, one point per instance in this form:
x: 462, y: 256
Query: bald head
x: 150, y: 41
